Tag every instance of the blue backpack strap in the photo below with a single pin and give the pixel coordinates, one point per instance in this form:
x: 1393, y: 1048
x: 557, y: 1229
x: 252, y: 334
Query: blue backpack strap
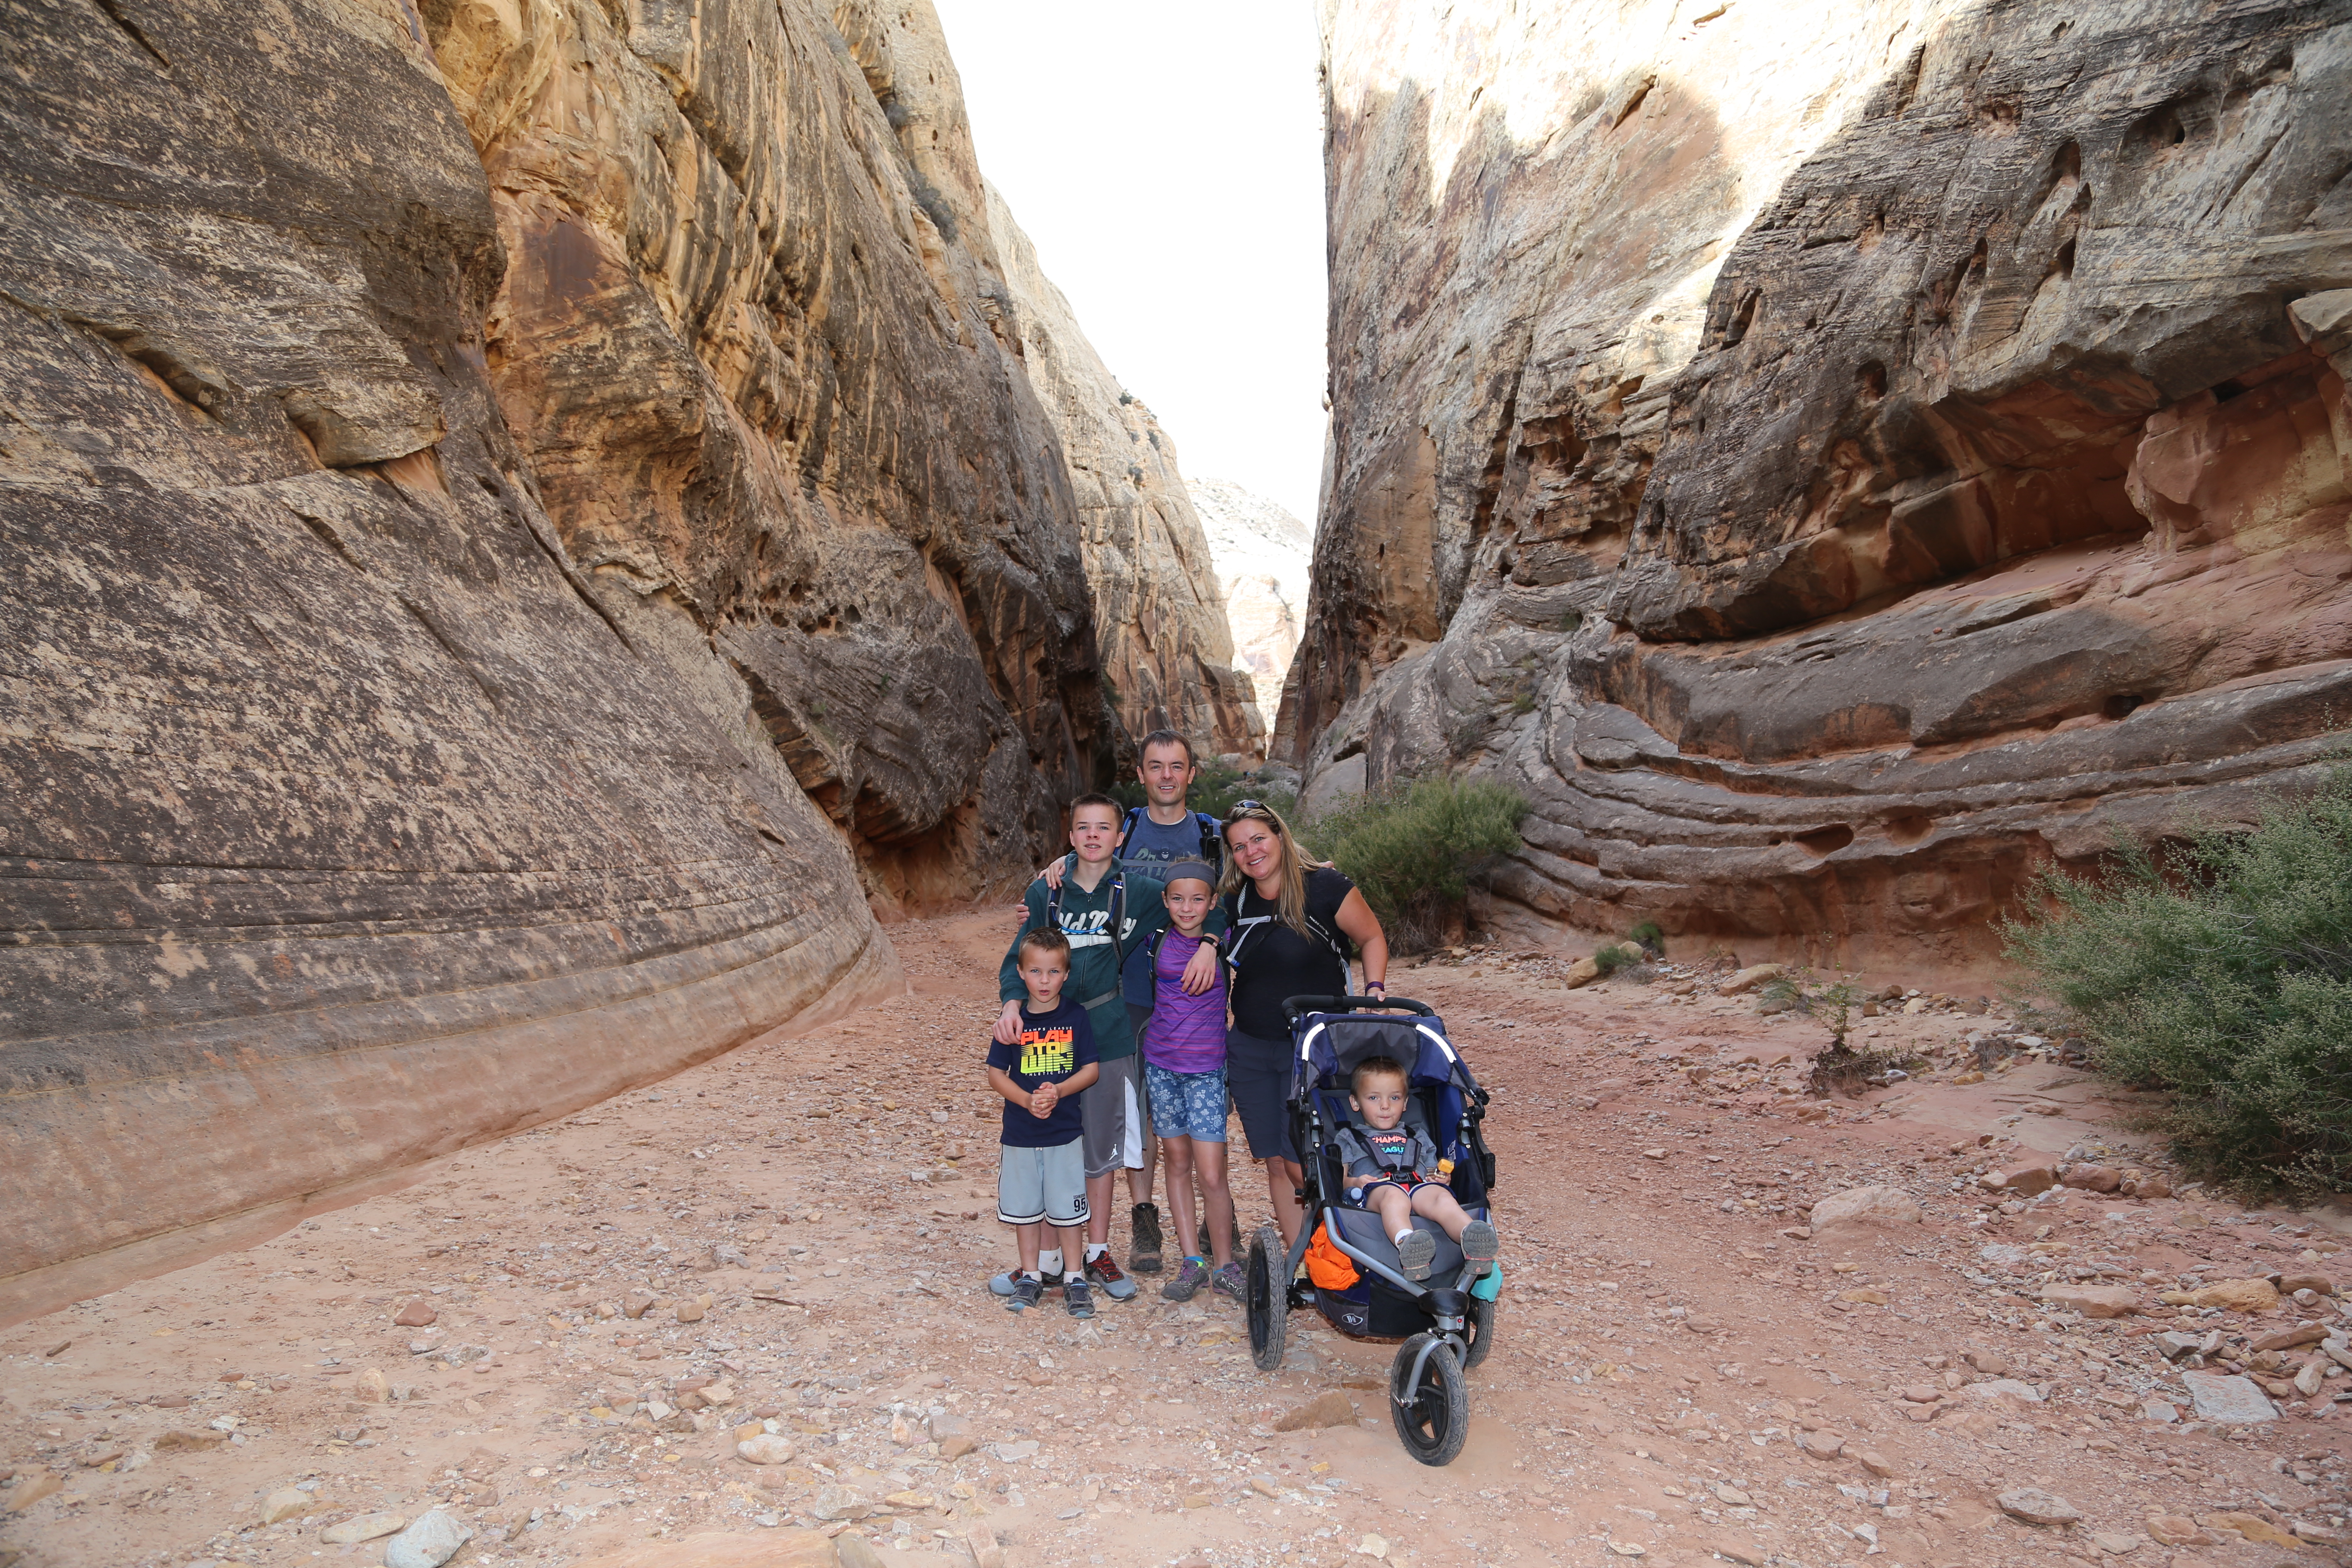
x: 1125, y: 832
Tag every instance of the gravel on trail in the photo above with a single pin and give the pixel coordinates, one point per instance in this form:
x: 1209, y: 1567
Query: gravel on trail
x: 748, y: 1303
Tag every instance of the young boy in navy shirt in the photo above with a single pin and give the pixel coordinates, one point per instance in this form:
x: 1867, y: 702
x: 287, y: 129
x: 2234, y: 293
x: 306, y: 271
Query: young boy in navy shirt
x: 1041, y: 1177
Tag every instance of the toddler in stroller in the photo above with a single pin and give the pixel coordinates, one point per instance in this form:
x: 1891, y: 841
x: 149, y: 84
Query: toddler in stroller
x: 1396, y: 1182
x: 1393, y: 1170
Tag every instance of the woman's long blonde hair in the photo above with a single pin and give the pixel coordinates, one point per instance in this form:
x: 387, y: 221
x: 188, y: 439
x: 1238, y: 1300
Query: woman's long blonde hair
x: 1291, y: 907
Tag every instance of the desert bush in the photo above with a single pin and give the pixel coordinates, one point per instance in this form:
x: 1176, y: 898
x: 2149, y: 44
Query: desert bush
x: 2220, y: 969
x: 1415, y: 848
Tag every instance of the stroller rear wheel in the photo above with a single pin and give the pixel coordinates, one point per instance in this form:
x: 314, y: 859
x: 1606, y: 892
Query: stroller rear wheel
x: 1267, y: 1297
x: 1480, y: 1332
x: 1433, y: 1416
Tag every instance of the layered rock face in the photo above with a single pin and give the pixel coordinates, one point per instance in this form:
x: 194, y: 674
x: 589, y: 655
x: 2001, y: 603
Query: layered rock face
x: 1834, y: 458
x: 521, y: 523
x: 1161, y: 612
x: 1262, y: 554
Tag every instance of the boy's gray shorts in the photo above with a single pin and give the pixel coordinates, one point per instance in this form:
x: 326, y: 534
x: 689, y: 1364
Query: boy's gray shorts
x: 1049, y: 1184
x: 1113, y: 1107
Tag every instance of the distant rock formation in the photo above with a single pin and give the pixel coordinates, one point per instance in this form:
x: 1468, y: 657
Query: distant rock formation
x: 523, y: 521
x: 1167, y: 649
x: 1835, y: 457
x: 1262, y: 554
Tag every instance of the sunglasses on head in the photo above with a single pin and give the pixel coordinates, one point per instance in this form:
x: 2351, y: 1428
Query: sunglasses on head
x: 1241, y: 805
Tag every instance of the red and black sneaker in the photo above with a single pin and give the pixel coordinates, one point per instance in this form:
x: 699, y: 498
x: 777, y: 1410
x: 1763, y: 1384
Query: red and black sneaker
x: 1104, y: 1270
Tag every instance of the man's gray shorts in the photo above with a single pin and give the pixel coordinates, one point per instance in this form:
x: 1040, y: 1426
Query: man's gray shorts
x: 1113, y: 1108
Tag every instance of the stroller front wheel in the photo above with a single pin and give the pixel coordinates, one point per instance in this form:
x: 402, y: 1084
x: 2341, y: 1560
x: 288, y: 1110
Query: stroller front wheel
x: 1266, y: 1297
x: 1429, y: 1400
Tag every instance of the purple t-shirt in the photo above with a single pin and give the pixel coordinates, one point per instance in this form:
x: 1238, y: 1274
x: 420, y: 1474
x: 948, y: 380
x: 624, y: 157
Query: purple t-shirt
x: 1186, y: 1034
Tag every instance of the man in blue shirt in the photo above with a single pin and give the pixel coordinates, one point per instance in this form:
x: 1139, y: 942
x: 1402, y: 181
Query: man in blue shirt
x: 1159, y: 833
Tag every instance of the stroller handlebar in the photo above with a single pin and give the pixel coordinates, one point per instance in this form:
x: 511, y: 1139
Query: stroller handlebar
x: 1292, y: 1007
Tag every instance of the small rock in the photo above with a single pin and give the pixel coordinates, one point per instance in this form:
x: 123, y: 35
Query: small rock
x: 1265, y: 1486
x: 2089, y: 1178
x: 910, y: 1500
x: 957, y: 1448
x: 2289, y: 1339
x: 429, y: 1543
x: 2232, y: 1401
x: 1374, y: 1546
x: 2116, y: 1544
x: 1654, y: 1153
x: 1727, y: 1493
x: 2250, y: 1527
x: 943, y: 1427
x: 285, y: 1503
x: 1198, y: 1500
x: 2035, y: 1174
x: 690, y: 1312
x: 838, y: 1502
x: 2318, y: 1282
x: 981, y: 1542
x: 2034, y: 1506
x: 1750, y: 978
x: 1864, y: 1205
x: 1987, y: 1362
x: 35, y: 1486
x: 418, y: 1313
x: 1329, y: 1408
x: 2176, y: 1530
x: 1581, y: 973
x: 2093, y: 1300
x: 1922, y: 1393
x: 2002, y: 1388
x: 2175, y: 1345
x: 1821, y: 1445
x: 1874, y: 1462
x: 852, y: 1550
x: 2255, y: 1295
x: 2161, y: 1410
x: 638, y: 1303
x: 1629, y: 1548
x: 767, y: 1448
x: 373, y: 1387
x: 2320, y: 1534
x: 366, y: 1527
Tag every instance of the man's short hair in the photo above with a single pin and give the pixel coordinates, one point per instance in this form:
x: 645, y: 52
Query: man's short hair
x: 1167, y: 738
x: 1045, y: 939
x: 1096, y: 797
x: 1375, y: 1067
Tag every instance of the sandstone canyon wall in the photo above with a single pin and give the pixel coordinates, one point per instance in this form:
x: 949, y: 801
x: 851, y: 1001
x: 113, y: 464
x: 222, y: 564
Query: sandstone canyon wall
x: 1160, y: 610
x: 521, y: 521
x: 1263, y: 555
x: 1834, y: 458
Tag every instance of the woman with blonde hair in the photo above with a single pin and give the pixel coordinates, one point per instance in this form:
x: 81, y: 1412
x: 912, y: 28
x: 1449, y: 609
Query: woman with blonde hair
x: 1288, y: 923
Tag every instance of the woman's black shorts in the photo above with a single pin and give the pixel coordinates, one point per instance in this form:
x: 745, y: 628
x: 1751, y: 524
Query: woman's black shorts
x: 1257, y: 1073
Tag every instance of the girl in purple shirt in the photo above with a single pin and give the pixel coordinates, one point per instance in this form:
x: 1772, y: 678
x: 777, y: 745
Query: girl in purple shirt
x: 1185, y: 1075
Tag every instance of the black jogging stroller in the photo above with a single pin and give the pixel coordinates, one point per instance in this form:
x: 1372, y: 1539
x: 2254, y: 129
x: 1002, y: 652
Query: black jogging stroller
x: 1354, y: 1279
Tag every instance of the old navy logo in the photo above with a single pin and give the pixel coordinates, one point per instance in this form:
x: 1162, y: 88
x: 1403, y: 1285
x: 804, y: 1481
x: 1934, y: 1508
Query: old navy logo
x: 1090, y: 928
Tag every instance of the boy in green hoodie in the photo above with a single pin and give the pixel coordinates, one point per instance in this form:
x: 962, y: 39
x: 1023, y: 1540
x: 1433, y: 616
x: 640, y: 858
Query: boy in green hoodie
x: 1107, y: 914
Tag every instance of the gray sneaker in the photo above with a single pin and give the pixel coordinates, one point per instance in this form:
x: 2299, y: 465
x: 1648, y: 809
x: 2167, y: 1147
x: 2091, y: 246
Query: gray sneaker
x: 1190, y: 1274
x: 1416, y: 1252
x: 1230, y: 1281
x: 1478, y: 1248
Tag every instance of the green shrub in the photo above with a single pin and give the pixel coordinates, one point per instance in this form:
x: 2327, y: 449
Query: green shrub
x: 2222, y: 971
x: 1616, y: 956
x: 1415, y: 848
x: 1650, y: 936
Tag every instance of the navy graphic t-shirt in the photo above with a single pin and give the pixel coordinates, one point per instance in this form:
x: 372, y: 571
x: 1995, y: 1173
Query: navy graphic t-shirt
x: 1052, y: 1047
x: 1159, y: 844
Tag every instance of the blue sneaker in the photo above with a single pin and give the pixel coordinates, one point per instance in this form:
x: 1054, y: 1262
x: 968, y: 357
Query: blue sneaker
x: 1078, y: 1297
x: 1027, y: 1290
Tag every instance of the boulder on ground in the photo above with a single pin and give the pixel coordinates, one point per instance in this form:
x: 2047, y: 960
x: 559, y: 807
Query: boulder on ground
x: 1750, y: 978
x: 1864, y: 1205
x: 2034, y: 1506
x: 2035, y: 1174
x: 2093, y: 1300
x: 2255, y: 1295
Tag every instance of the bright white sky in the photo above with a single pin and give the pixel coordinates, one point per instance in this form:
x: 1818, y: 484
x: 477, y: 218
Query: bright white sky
x: 1167, y: 160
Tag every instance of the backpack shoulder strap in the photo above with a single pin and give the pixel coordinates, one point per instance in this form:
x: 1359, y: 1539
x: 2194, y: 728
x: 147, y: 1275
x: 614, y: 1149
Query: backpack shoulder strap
x: 1125, y: 831
x: 1213, y: 840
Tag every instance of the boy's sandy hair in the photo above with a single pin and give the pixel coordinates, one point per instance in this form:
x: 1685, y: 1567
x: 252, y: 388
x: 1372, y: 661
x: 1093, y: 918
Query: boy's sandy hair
x: 1097, y: 798
x: 1044, y: 938
x: 1376, y: 1066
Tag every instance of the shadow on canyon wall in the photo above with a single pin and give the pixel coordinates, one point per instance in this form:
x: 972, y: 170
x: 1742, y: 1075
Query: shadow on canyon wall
x: 1990, y: 503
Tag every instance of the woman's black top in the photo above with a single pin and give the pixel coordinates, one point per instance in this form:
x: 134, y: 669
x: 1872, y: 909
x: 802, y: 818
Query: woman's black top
x: 1271, y: 962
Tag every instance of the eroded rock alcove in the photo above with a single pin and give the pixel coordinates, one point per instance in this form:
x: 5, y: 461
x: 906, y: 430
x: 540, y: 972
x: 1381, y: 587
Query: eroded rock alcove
x: 528, y: 524
x: 1832, y: 481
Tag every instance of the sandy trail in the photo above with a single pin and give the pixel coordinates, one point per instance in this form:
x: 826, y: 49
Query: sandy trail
x: 1661, y: 1346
